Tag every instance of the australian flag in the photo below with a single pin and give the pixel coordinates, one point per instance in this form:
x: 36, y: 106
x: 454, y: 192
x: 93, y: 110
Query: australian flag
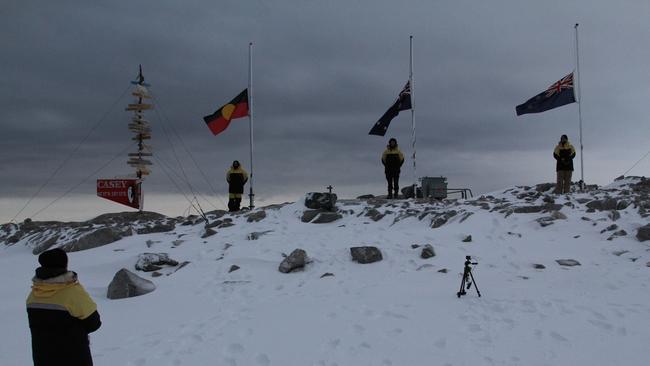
x: 557, y: 95
x: 402, y: 103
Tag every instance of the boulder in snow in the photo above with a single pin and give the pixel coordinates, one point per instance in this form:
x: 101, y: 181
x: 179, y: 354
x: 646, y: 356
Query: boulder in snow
x: 296, y: 260
x: 427, y: 252
x: 149, y: 262
x: 127, y: 284
x: 643, y: 233
x: 208, y: 233
x: 567, y: 262
x: 366, y: 254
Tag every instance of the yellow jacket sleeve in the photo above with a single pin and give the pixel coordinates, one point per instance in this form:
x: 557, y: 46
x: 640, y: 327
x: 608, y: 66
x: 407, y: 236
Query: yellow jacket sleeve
x: 79, y: 303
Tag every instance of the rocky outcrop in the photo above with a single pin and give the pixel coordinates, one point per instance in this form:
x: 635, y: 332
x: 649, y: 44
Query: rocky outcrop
x: 127, y: 284
x: 94, y: 239
x: 256, y: 216
x: 320, y: 201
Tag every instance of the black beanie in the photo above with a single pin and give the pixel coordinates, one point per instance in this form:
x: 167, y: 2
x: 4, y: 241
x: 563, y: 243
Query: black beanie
x: 55, y: 258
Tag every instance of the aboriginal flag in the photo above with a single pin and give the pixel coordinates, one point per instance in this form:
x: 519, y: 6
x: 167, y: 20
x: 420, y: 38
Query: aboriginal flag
x: 238, y: 107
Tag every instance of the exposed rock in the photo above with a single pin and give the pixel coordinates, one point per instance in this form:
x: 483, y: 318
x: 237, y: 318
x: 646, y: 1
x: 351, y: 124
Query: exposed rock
x: 40, y: 248
x: 149, y: 262
x: 548, y: 199
x: 156, y: 274
x: 426, y: 265
x: 444, y: 270
x: 619, y: 253
x: 216, y: 214
x: 327, y: 217
x: 557, y: 215
x: 442, y: 218
x: 220, y: 224
x: 208, y: 232
x: 177, y: 242
x: 614, y: 215
x: 327, y: 274
x: 415, y: 246
x: 611, y: 227
x: 366, y: 254
x: 465, y: 216
x: 545, y: 221
x: 407, y: 192
x: 320, y: 201
x: 256, y: 216
x: 192, y: 220
x: 374, y: 215
x: 158, y: 228
x: 544, y: 187
x: 427, y: 252
x: 528, y: 209
x: 366, y: 197
x: 309, y: 215
x: 607, y: 204
x: 567, y: 262
x: 538, y: 266
x: 122, y: 218
x: 257, y: 234
x: 295, y: 260
x: 233, y: 268
x: 643, y: 233
x: 467, y: 239
x: 127, y: 284
x: 94, y: 239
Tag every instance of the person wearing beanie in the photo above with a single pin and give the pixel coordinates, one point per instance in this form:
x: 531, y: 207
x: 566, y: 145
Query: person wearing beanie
x: 564, y: 153
x: 392, y: 158
x: 236, y: 178
x: 61, y: 314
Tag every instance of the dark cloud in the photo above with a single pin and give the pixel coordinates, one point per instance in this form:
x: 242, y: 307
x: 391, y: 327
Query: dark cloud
x: 324, y: 72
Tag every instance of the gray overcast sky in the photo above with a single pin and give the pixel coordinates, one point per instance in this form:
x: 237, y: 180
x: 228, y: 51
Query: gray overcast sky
x: 325, y: 71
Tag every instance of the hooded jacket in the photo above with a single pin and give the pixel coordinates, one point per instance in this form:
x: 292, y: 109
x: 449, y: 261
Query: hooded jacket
x: 564, y: 154
x: 236, y: 179
x: 392, y: 159
x: 61, y: 315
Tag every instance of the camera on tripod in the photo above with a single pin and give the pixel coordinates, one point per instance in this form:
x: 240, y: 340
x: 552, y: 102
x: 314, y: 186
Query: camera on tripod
x: 468, y: 278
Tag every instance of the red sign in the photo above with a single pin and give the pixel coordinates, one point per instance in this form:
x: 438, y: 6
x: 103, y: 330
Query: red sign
x: 124, y: 191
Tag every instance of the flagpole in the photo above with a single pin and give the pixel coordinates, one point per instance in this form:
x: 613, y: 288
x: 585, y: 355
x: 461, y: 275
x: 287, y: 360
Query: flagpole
x: 250, y: 119
x: 415, y: 180
x: 579, y: 98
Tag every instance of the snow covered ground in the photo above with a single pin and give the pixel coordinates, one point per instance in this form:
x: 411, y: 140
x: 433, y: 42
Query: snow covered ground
x: 402, y: 310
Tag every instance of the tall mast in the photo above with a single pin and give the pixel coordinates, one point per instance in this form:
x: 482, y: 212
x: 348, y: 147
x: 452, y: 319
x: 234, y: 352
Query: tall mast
x: 142, y: 130
x: 579, y: 98
x: 413, y: 137
x: 251, y: 195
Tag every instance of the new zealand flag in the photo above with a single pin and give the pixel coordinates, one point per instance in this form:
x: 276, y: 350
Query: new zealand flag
x: 557, y: 95
x: 402, y: 103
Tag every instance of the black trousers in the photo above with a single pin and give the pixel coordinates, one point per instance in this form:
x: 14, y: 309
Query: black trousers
x: 393, y: 182
x: 234, y: 204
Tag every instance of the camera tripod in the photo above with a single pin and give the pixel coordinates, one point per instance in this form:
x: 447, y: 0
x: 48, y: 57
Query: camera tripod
x: 468, y: 278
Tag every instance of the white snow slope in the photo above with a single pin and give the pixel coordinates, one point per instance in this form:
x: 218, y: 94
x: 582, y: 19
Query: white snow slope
x: 399, y: 311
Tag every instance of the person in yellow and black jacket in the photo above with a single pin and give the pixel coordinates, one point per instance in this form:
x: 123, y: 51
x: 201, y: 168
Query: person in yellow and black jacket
x: 61, y: 314
x: 236, y: 178
x: 564, y: 153
x: 392, y: 158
